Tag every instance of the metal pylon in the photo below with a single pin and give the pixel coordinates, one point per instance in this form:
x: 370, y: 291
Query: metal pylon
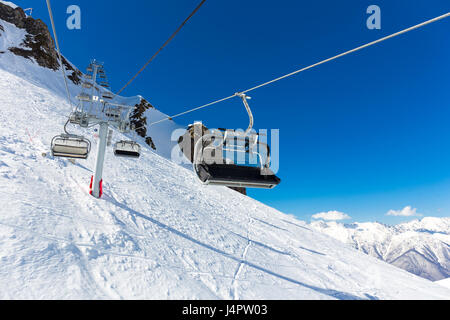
x: 101, y: 149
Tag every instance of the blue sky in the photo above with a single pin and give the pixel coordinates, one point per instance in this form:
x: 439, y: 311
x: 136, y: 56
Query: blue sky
x: 362, y: 135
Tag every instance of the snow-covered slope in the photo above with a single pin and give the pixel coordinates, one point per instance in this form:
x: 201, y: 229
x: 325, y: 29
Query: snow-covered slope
x: 421, y: 246
x: 156, y: 233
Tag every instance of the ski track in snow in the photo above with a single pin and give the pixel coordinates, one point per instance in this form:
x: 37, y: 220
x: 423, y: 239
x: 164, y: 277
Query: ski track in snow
x: 157, y: 233
x: 234, y: 292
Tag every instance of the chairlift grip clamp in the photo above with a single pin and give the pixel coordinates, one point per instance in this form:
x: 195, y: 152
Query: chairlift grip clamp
x: 244, y: 98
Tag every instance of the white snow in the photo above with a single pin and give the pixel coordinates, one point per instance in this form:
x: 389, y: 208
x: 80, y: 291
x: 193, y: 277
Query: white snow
x: 9, y: 3
x: 157, y: 233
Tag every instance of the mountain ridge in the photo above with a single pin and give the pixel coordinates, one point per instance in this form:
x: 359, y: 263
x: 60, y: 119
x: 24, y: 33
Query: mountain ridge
x: 419, y: 246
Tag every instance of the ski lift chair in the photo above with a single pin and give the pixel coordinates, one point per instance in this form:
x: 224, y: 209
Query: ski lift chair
x: 70, y: 146
x: 212, y: 169
x: 127, y: 149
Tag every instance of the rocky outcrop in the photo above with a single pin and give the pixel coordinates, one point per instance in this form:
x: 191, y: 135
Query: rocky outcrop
x: 38, y: 44
x: 139, y: 121
x: 73, y: 74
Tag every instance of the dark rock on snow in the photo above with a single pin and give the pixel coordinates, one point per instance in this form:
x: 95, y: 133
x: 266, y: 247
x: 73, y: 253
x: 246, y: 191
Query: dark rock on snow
x: 139, y: 121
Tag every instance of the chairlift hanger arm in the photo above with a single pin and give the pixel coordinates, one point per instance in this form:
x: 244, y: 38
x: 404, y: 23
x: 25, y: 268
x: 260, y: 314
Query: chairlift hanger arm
x: 244, y: 98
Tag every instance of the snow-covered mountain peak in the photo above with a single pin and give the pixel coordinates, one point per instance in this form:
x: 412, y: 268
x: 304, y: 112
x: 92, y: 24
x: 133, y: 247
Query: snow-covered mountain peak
x: 420, y: 246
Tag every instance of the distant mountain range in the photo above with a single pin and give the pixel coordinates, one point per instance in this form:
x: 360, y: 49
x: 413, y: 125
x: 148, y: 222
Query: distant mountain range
x: 421, y: 247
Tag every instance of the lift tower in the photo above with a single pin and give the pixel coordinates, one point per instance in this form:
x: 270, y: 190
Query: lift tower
x: 97, y: 106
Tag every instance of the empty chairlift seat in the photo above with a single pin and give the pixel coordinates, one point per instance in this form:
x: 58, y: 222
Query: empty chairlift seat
x: 70, y: 146
x: 232, y: 175
x: 128, y: 149
x: 213, y: 169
